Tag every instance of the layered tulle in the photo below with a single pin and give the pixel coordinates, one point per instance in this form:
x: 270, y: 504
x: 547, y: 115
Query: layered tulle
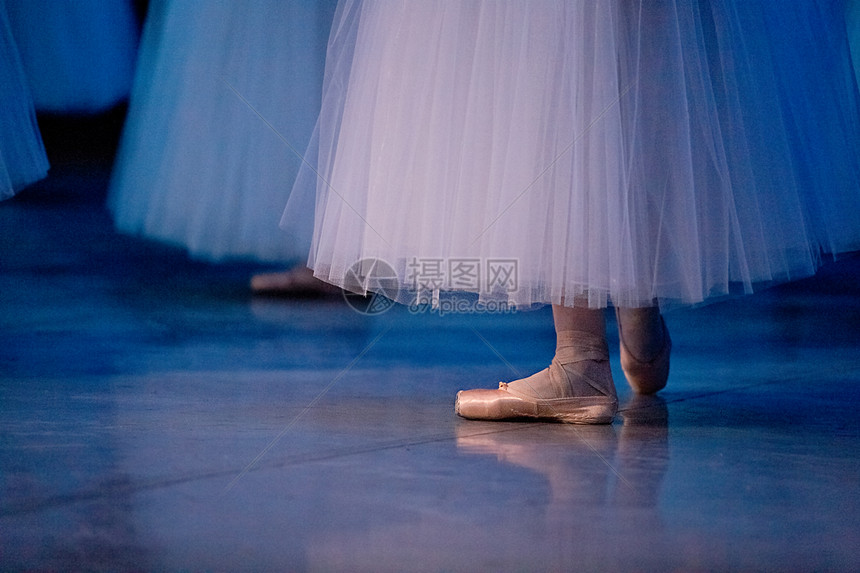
x: 224, y: 102
x: 78, y: 54
x: 615, y: 152
x: 852, y: 10
x: 22, y: 155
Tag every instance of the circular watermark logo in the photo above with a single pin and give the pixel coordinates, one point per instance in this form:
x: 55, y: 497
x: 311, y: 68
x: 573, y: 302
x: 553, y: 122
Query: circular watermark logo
x: 378, y: 278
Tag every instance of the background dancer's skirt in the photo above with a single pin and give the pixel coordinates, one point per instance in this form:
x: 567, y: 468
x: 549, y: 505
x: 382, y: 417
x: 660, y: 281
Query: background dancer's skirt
x: 22, y: 154
x: 224, y: 103
x: 78, y: 55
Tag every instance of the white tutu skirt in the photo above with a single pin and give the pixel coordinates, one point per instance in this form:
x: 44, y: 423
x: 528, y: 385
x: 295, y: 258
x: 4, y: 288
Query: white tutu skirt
x: 22, y: 154
x: 611, y: 152
x: 223, y: 105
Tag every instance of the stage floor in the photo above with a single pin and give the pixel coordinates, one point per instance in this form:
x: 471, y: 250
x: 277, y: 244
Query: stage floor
x: 156, y: 416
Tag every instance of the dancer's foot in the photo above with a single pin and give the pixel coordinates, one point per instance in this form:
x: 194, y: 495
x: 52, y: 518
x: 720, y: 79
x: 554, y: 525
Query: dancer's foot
x: 299, y: 281
x: 577, y: 388
x: 645, y: 348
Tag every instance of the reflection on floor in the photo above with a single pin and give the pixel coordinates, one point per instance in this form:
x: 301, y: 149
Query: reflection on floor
x: 155, y: 416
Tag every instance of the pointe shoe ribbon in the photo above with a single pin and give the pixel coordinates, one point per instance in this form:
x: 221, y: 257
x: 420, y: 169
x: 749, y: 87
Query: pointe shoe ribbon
x: 582, y: 393
x: 646, y: 377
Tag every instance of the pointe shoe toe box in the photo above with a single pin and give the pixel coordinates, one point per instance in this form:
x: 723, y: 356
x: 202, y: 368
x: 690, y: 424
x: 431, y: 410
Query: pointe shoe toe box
x: 503, y: 405
x: 492, y: 405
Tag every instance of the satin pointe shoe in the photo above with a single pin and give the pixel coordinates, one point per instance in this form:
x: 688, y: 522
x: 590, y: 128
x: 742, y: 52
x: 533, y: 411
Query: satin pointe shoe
x: 577, y: 388
x: 645, y: 377
x: 296, y: 282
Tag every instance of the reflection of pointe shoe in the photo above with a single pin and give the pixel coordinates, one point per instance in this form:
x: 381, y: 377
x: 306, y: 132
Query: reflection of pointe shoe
x: 643, y: 452
x: 525, y: 442
x: 646, y: 377
x: 539, y: 447
x: 645, y: 411
x: 577, y: 388
x: 298, y: 282
x: 573, y: 459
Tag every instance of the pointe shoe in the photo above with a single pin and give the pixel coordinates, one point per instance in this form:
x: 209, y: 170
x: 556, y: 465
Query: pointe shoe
x: 646, y: 377
x: 584, y: 395
x: 297, y: 282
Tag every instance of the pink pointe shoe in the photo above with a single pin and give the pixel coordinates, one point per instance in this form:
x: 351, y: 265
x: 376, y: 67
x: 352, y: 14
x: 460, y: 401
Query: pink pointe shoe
x: 296, y: 282
x: 577, y: 388
x: 646, y: 377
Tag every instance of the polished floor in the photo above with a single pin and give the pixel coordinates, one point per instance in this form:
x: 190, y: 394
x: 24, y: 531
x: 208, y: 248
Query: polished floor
x: 157, y: 417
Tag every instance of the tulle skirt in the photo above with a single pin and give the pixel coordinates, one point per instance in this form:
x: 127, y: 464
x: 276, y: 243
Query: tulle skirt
x: 580, y: 152
x: 22, y: 155
x: 223, y: 106
x: 78, y: 54
x: 852, y: 10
